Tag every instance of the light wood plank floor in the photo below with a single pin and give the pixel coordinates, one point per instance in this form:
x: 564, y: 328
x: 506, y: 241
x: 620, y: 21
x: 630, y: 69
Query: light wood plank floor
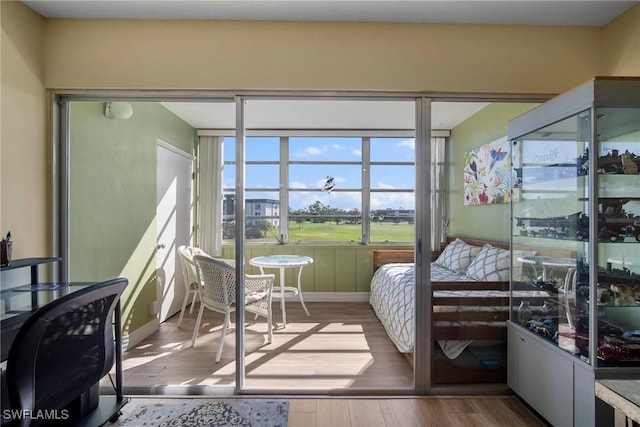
x: 394, y: 412
x: 340, y: 346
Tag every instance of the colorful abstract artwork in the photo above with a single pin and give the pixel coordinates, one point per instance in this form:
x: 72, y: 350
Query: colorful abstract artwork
x: 487, y: 174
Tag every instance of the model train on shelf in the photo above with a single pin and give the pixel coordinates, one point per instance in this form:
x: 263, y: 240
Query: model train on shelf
x: 614, y: 224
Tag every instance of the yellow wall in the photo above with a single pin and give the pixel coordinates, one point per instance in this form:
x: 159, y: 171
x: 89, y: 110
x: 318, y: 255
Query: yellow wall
x: 25, y: 156
x: 621, y: 45
x: 38, y: 54
x: 338, y: 56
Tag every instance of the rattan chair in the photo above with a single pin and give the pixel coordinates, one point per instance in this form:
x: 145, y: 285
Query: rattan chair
x: 219, y: 294
x: 191, y: 285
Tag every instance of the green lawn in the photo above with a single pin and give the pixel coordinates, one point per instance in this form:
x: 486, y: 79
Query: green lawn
x: 332, y: 232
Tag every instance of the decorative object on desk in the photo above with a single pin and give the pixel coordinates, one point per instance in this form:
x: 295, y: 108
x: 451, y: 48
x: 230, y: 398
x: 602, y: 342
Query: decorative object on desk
x: 487, y: 174
x: 232, y: 412
x: 6, y: 249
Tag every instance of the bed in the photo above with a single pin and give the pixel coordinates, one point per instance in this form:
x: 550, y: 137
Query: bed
x: 470, y: 283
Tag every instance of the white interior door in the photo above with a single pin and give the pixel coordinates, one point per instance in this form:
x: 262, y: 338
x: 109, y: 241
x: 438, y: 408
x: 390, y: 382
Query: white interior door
x: 173, y: 224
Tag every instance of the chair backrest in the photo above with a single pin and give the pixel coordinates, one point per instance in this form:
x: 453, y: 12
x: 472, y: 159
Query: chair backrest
x: 189, y: 272
x: 63, y: 348
x: 219, y: 279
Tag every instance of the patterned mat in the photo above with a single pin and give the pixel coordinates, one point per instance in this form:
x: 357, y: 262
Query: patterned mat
x: 232, y: 412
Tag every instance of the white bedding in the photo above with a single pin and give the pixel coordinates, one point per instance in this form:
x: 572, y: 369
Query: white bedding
x: 392, y: 298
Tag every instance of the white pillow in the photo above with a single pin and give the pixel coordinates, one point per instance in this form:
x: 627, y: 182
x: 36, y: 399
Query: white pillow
x: 457, y: 255
x: 491, y: 264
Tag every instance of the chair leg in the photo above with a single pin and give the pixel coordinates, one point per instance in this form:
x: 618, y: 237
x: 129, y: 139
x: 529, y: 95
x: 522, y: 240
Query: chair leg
x: 269, y: 326
x: 193, y: 301
x: 224, y: 331
x: 184, y: 307
x: 195, y: 329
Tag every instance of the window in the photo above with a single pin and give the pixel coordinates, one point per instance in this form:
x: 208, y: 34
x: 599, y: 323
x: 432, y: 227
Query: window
x: 327, y: 183
x: 392, y: 205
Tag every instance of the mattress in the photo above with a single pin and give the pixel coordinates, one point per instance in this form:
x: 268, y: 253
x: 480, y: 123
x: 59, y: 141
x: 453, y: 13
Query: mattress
x: 393, y: 300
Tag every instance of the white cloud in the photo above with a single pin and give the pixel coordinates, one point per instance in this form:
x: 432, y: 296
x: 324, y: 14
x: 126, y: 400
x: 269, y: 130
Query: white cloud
x: 357, y: 153
x: 313, y: 151
x: 407, y: 143
x: 384, y: 186
x: 393, y: 200
x: 297, y: 184
x: 337, y: 147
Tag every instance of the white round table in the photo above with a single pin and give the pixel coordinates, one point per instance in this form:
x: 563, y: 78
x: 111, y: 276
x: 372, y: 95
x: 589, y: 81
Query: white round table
x: 283, y: 262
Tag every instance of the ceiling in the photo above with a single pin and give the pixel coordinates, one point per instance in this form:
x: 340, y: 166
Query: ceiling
x: 336, y: 114
x: 322, y: 114
x: 515, y: 12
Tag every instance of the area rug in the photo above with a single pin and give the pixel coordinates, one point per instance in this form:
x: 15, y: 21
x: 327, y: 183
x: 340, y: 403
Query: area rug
x: 230, y: 412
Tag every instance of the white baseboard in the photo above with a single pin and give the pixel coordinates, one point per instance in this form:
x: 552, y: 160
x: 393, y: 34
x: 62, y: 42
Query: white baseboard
x: 335, y: 296
x: 134, y: 337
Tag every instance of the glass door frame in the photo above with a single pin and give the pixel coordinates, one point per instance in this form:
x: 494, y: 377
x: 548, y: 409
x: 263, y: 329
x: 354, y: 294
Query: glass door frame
x: 422, y: 378
x: 423, y: 348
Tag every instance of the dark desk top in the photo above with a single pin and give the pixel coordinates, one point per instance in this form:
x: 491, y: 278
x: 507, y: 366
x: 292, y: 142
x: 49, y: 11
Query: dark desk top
x: 28, y: 262
x: 39, y: 295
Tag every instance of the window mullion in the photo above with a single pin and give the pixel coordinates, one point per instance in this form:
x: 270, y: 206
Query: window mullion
x: 284, y: 189
x: 366, y: 187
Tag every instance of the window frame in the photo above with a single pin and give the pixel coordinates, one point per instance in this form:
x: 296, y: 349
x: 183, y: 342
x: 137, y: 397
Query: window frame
x: 284, y: 190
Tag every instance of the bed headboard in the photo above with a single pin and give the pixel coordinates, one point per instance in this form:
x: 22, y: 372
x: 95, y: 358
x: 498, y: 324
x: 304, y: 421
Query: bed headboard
x: 388, y: 256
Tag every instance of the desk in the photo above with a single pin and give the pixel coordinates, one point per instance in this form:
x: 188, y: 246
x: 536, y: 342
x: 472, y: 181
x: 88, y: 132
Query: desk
x: 32, y: 263
x: 38, y: 295
x: 568, y: 287
x: 623, y: 396
x: 283, y: 262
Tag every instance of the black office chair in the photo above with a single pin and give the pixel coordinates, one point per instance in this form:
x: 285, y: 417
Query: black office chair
x: 60, y: 354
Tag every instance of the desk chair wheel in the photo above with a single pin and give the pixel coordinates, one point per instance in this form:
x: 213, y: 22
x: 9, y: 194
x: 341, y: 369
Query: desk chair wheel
x: 115, y: 417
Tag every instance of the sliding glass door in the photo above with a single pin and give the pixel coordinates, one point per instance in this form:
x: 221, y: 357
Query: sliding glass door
x: 305, y: 192
x: 325, y: 182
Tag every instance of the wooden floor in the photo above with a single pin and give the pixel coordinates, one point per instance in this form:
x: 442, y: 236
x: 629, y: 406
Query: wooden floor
x: 395, y: 412
x: 340, y: 346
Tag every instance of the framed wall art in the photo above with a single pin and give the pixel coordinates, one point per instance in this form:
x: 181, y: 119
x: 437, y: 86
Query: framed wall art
x: 487, y: 173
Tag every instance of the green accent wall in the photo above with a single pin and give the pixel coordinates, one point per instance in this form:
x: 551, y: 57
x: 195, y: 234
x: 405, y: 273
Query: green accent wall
x: 490, y: 222
x: 335, y: 268
x: 112, y: 201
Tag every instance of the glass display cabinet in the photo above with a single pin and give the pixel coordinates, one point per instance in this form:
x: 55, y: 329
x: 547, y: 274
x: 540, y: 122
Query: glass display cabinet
x: 575, y: 286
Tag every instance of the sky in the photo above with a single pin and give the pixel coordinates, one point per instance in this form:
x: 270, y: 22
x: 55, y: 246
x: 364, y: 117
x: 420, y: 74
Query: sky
x: 345, y: 176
